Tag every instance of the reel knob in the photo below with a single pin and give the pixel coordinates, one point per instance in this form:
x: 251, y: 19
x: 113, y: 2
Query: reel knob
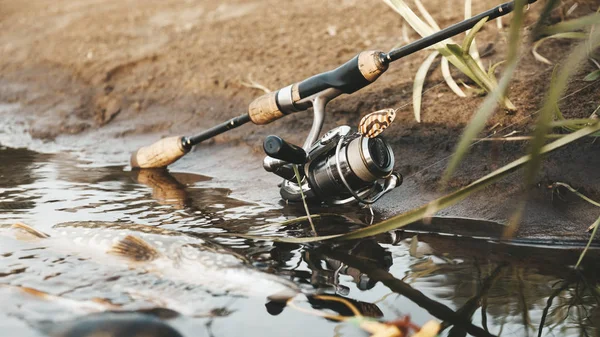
x: 278, y: 148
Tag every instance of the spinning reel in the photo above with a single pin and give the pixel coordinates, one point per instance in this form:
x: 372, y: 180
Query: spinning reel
x: 342, y: 167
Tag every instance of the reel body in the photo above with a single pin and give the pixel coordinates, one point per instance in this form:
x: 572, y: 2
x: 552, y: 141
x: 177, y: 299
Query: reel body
x: 341, y: 167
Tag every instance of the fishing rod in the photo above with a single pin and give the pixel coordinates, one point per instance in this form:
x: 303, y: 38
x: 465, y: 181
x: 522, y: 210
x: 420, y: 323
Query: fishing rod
x: 342, y: 166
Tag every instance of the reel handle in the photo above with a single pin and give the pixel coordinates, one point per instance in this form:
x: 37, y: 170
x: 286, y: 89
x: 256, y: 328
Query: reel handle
x: 278, y: 148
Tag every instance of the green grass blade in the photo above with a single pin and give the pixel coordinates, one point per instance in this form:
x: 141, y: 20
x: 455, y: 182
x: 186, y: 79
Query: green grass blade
x: 489, y: 82
x: 419, y: 82
x: 514, y: 33
x: 468, y: 9
x: 591, y: 77
x: 492, y: 70
x: 573, y: 122
x: 487, y: 108
x: 577, y: 193
x: 473, y: 51
x: 312, y: 225
x: 572, y: 25
x: 595, y: 225
x: 459, y: 63
x: 471, y: 35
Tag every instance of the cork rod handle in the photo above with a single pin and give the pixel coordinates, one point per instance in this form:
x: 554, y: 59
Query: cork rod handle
x: 160, y: 154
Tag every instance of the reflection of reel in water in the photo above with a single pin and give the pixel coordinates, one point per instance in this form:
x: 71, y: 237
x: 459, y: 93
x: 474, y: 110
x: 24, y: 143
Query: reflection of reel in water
x: 368, y: 250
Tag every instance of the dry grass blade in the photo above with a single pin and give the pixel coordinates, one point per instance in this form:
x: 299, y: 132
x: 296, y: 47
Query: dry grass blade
x: 405, y: 36
x: 582, y: 122
x: 514, y: 139
x: 568, y: 35
x: 577, y: 193
x: 449, y: 80
x: 411, y: 18
x: 595, y: 226
x: 419, y: 82
x: 255, y: 85
x: 426, y: 15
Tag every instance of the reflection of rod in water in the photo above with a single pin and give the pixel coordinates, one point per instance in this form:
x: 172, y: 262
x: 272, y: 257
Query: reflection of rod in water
x: 435, y: 308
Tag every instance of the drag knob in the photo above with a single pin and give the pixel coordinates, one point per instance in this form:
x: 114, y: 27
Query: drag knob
x: 278, y: 148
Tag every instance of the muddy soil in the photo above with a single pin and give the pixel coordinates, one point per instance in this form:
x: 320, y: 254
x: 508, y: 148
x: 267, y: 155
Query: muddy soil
x: 106, y: 76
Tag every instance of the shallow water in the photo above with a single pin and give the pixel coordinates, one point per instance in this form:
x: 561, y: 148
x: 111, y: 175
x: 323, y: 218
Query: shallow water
x: 503, y: 290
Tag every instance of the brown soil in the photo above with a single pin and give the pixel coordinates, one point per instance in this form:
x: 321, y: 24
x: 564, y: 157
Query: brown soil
x: 114, y: 70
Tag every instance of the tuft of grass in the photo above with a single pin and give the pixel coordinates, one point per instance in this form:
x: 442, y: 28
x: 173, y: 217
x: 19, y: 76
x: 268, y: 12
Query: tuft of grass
x: 465, y: 57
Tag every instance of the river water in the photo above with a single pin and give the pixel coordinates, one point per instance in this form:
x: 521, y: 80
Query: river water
x: 474, y: 286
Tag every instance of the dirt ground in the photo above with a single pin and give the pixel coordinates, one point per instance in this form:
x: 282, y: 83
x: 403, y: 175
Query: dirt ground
x: 116, y: 71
